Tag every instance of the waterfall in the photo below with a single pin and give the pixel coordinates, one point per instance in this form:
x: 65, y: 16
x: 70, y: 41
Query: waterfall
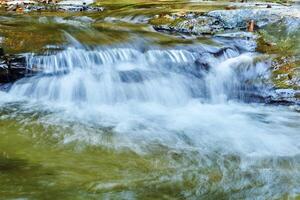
x: 155, y: 94
x: 119, y: 74
x: 188, y: 104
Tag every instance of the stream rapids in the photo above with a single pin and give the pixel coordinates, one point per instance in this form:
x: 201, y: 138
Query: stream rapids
x: 141, y: 121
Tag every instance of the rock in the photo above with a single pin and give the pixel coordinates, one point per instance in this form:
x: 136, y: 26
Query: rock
x: 285, y: 96
x: 245, y: 41
x: 285, y: 93
x: 18, y: 2
x: 71, y: 8
x: 3, y: 72
x: 197, y: 26
x: 75, y: 2
x: 250, y: 26
x: 79, y: 8
x: 233, y: 19
x: 66, y: 5
x: 12, y: 8
x: 230, y: 7
x: 228, y: 20
x: 12, y: 68
x: 78, y: 5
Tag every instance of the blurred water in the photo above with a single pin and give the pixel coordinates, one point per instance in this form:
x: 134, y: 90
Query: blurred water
x: 194, y: 108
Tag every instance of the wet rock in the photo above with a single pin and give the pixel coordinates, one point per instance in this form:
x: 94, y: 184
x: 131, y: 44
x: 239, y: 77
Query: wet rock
x: 4, y: 72
x: 245, y: 41
x: 78, y: 5
x: 285, y: 96
x: 12, y: 68
x: 286, y: 72
x: 80, y: 8
x: 286, y: 80
x: 76, y: 2
x: 18, y: 2
x: 219, y: 20
x: 239, y: 18
x: 197, y: 26
x: 256, y: 5
x: 201, y: 25
x: 71, y: 6
x: 12, y: 8
x: 285, y: 93
x: 231, y: 7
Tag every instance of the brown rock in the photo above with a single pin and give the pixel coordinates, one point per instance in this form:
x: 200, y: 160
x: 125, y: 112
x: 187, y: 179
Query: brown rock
x: 250, y: 26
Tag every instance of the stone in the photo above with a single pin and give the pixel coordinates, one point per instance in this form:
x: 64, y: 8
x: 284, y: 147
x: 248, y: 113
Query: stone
x: 18, y: 2
x: 75, y: 2
x: 238, y: 18
x: 197, y: 26
x: 218, y: 21
x: 12, y: 68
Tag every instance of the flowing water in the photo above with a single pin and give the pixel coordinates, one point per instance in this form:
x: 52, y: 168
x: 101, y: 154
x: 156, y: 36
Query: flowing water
x: 139, y: 120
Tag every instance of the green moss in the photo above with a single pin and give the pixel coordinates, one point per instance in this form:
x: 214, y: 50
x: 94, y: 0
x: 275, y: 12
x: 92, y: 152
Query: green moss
x: 161, y: 21
x: 284, y: 46
x: 177, y: 21
x: 285, y: 72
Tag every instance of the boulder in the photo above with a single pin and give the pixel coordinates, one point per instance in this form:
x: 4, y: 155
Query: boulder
x: 198, y: 25
x: 238, y: 19
x: 219, y: 20
x: 12, y: 67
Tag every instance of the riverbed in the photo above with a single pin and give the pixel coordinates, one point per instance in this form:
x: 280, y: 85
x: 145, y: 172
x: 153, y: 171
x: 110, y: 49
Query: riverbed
x: 118, y: 110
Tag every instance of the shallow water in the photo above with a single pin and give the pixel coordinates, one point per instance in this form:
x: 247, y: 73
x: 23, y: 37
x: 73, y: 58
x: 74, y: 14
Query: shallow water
x: 121, y: 116
x: 146, y: 150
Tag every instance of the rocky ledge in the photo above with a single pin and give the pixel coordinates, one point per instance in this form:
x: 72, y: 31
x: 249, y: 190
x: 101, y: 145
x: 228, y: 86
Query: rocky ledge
x: 272, y: 21
x: 227, y: 20
x: 12, y: 67
x: 67, y: 5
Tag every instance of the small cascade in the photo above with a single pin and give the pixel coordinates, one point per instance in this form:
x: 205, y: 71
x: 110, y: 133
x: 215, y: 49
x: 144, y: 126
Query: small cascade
x: 235, y: 77
x: 121, y: 74
x: 185, y: 106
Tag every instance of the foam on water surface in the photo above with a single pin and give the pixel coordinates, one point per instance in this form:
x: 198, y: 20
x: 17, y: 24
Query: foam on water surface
x: 185, y: 102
